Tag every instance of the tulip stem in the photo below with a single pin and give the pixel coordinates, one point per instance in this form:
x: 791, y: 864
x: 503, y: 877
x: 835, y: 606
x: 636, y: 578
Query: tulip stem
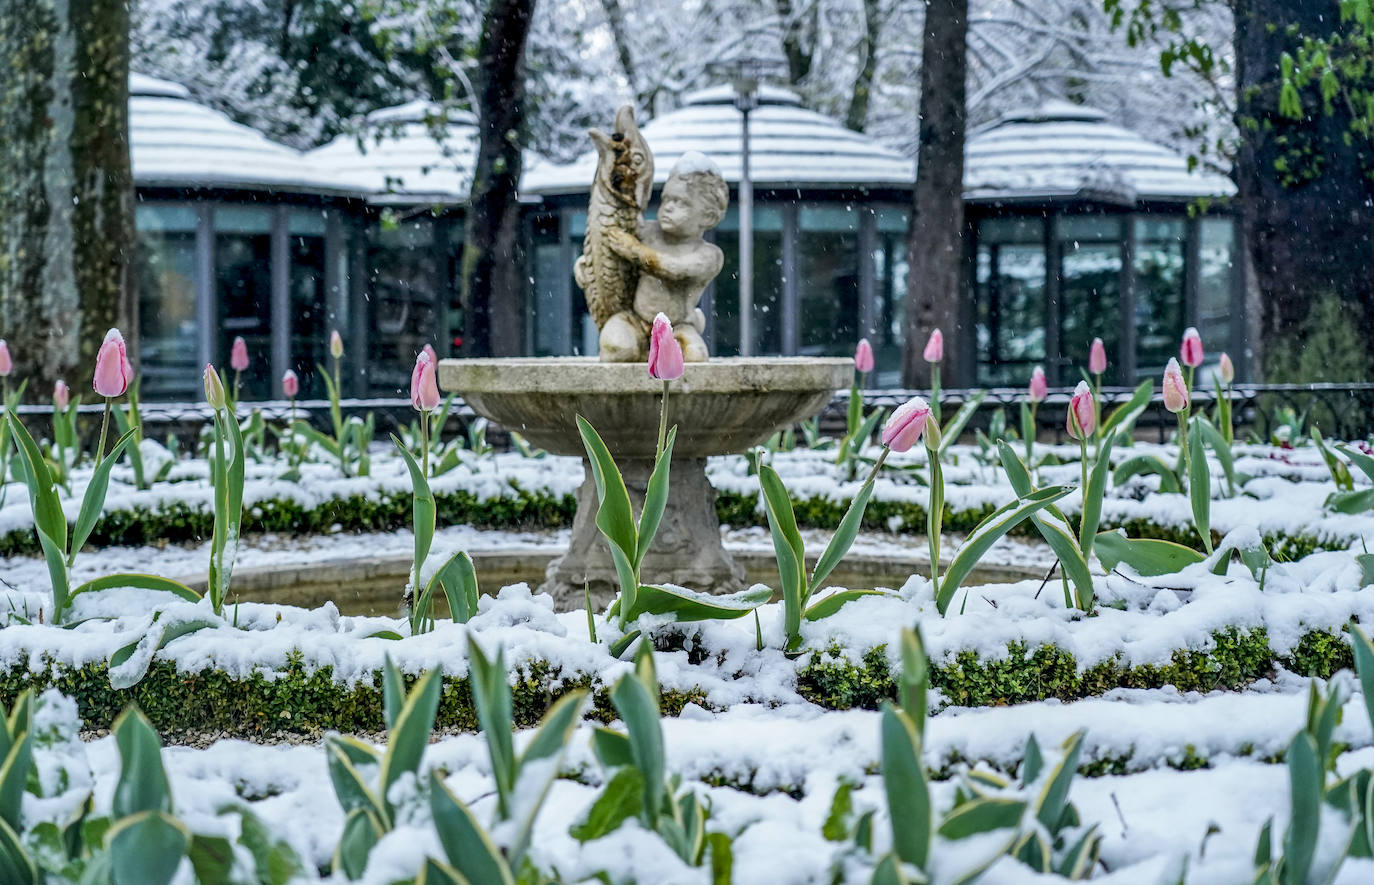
x: 935, y: 516
x: 1030, y: 435
x: 104, y: 429
x: 1183, y: 446
x: 935, y: 392
x: 424, y: 445
x: 1083, y: 468
x: 663, y: 421
x: 237, y: 375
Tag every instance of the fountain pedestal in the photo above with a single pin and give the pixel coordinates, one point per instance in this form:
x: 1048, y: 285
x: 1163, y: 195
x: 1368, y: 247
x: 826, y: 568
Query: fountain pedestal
x: 720, y: 406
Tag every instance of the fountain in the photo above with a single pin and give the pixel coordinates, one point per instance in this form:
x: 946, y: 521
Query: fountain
x: 631, y: 270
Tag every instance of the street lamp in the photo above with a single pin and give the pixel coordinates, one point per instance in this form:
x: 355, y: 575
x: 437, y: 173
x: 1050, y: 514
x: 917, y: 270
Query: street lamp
x: 745, y: 73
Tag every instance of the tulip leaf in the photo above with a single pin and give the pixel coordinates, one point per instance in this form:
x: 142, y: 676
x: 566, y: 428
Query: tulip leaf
x: 842, y: 540
x: 458, y: 578
x: 1364, y: 667
x: 982, y: 815
x: 146, y: 848
x: 949, y: 434
x: 467, y: 845
x: 1126, y: 414
x: 1200, y: 486
x: 989, y: 532
x: 138, y: 582
x: 655, y: 500
x: 407, y: 739
x: 14, y: 773
x: 343, y: 756
x: 15, y: 863
x: 49, y: 521
x: 1220, y: 447
x: 832, y: 603
x: 1142, y: 465
x: 1359, y: 459
x: 914, y: 680
x: 787, y: 546
x: 638, y: 708
x: 491, y: 696
x: 1093, y: 494
x: 1350, y: 502
x: 908, y: 794
x: 142, y: 784
x: 690, y: 605
x: 1148, y: 556
x: 93, y: 502
x: 1054, y: 796
x: 613, y: 517
x: 1305, y: 775
x: 362, y: 831
x: 423, y: 517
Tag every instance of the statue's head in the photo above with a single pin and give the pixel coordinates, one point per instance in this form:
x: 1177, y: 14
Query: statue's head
x: 625, y: 166
x: 694, y: 198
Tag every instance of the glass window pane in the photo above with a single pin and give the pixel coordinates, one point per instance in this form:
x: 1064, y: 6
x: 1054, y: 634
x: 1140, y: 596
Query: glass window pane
x: 309, y: 313
x: 404, y: 300
x: 1090, y: 291
x: 767, y: 285
x: 889, y: 281
x: 828, y: 280
x: 1216, y: 272
x: 243, y: 283
x: 1159, y: 306
x: 167, y: 303
x: 1009, y: 284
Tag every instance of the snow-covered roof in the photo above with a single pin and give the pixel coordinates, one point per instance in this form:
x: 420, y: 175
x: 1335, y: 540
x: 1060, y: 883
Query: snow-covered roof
x: 397, y: 158
x: 1065, y: 150
x: 177, y: 142
x: 788, y: 146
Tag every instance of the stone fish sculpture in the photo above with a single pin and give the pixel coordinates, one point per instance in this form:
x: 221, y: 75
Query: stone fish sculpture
x: 631, y: 269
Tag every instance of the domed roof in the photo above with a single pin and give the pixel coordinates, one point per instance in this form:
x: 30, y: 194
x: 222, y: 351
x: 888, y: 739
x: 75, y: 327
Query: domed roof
x: 177, y: 142
x: 1060, y: 149
x: 788, y: 146
x: 397, y: 158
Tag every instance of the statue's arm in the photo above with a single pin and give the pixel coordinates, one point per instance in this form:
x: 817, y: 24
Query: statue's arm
x: 702, y: 263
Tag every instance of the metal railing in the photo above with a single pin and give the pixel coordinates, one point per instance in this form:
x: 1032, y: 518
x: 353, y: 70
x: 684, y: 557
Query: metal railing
x: 1344, y: 411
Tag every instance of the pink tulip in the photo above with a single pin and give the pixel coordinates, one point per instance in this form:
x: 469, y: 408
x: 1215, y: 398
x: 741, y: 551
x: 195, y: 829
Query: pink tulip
x: 290, y: 384
x: 863, y: 356
x: 238, y: 355
x: 1039, y: 388
x: 1176, y: 397
x: 61, y: 394
x: 336, y: 344
x: 424, y: 387
x: 1226, y: 369
x: 1097, y: 357
x: 112, y: 370
x: 935, y: 347
x: 433, y: 357
x: 1191, y: 348
x: 1082, y: 419
x: 906, y: 425
x: 214, y: 388
x: 6, y: 361
x: 665, y: 354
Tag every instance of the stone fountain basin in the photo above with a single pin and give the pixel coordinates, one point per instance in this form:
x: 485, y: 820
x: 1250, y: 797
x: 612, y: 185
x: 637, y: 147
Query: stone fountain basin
x: 722, y: 406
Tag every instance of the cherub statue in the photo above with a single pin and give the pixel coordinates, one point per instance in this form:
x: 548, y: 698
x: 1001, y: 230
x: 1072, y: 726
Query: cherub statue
x: 675, y: 264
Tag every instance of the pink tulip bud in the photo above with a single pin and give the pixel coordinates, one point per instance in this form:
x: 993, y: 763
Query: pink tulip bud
x: 336, y: 345
x: 1082, y: 419
x: 906, y: 424
x: 61, y: 394
x: 290, y: 384
x: 424, y: 387
x: 238, y: 355
x: 665, y: 354
x: 863, y: 356
x: 1226, y: 369
x: 935, y: 347
x: 1191, y: 348
x: 112, y: 370
x: 433, y: 357
x: 214, y: 388
x: 6, y: 361
x: 1176, y: 397
x: 1039, y: 388
x: 1097, y: 357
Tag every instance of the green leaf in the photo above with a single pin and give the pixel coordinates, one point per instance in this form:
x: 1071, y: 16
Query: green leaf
x: 1220, y: 447
x: 491, y: 696
x: 15, y: 863
x: 423, y: 514
x: 93, y: 502
x: 787, y: 545
x: 614, y: 517
x: 1359, y: 459
x: 1092, y: 496
x: 836, y: 826
x: 467, y: 845
x: 1364, y: 666
x: 1200, y: 486
x: 638, y: 708
x: 689, y: 605
x: 142, y: 784
x: 212, y: 859
x: 655, y: 500
x: 621, y: 800
x: 139, y: 582
x: 843, y: 539
x: 1142, y: 465
x: 949, y: 434
x: 310, y: 433
x: 173, y: 630
x: 988, y: 533
x: 1054, y: 796
x: 408, y: 738
x: 343, y: 756
x: 1351, y: 503
x: 612, y: 748
x: 720, y: 849
x: 889, y: 872
x: 914, y: 679
x: 908, y: 794
x: 1305, y: 785
x: 393, y: 692
x: 436, y: 873
x: 982, y: 815
x: 146, y: 848
x: 361, y: 833
x: 1053, y: 527
x: 1081, y: 858
x: 1126, y: 414
x: 1148, y: 556
x: 458, y: 578
x: 14, y: 775
x: 832, y: 603
x: 49, y: 521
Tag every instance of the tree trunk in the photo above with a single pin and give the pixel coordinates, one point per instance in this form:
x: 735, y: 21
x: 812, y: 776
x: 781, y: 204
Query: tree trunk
x: 493, y: 263
x: 67, y: 199
x: 860, y: 97
x: 798, y: 37
x: 1313, y: 234
x: 935, y: 241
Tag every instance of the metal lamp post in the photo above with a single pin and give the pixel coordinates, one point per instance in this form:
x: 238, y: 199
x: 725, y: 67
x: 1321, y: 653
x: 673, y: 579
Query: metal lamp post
x: 745, y: 74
